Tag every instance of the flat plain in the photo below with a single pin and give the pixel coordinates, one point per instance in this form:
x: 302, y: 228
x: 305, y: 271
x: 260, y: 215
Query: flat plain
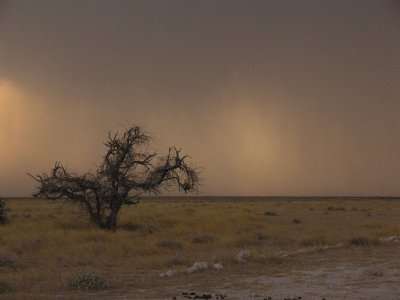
x: 263, y: 247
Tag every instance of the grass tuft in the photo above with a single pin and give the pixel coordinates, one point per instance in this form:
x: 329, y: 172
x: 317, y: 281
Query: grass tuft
x: 202, y: 239
x: 270, y: 214
x: 311, y: 242
x: 86, y: 282
x: 170, y: 244
x: 131, y: 226
x: 332, y: 208
x: 178, y: 261
x: 359, y: 241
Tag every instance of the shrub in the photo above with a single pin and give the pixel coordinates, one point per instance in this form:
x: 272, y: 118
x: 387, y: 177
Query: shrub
x: 170, y: 244
x: 248, y: 242
x: 359, y: 241
x: 178, y: 261
x: 144, y: 229
x: 130, y: 226
x: 149, y: 229
x: 5, y: 260
x: 336, y: 208
x: 3, y: 215
x: 261, y: 236
x: 86, y: 282
x: 311, y: 242
x: 4, y: 288
x: 270, y: 214
x: 202, y: 239
x: 296, y: 221
x: 375, y: 272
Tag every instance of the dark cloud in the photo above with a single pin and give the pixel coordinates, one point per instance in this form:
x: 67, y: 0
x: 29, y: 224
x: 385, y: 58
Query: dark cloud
x: 269, y: 97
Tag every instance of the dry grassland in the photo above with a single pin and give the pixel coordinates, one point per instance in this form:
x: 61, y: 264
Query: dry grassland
x: 49, y: 243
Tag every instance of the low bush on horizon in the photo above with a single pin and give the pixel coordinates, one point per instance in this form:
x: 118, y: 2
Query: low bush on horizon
x: 3, y: 212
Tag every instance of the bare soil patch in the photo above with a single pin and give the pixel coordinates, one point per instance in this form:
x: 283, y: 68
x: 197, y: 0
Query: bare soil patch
x: 348, y: 273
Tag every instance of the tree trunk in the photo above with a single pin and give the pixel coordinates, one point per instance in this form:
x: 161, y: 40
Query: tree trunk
x: 111, y: 223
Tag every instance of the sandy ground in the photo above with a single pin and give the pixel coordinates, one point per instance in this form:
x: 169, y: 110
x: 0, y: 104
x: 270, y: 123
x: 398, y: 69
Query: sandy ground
x: 344, y: 274
x: 370, y: 273
x: 345, y: 281
x: 375, y: 280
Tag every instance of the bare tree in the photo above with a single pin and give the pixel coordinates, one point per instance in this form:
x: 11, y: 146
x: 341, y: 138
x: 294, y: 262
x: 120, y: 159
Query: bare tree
x: 129, y: 170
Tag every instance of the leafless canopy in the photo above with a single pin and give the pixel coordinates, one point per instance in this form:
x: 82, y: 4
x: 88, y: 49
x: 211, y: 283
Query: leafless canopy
x: 129, y: 170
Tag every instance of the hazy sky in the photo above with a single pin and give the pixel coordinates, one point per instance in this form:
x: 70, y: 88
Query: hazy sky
x: 268, y: 97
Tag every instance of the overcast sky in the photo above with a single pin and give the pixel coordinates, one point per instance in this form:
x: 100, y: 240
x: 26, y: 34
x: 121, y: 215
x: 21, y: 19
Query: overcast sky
x: 268, y: 97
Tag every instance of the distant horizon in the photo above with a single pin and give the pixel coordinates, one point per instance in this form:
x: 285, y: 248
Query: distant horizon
x: 239, y: 196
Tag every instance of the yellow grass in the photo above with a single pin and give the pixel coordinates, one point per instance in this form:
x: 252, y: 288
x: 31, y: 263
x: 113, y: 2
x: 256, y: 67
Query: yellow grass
x: 50, y: 241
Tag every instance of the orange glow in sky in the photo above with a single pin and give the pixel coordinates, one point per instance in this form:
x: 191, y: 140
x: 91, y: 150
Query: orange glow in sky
x: 268, y: 97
